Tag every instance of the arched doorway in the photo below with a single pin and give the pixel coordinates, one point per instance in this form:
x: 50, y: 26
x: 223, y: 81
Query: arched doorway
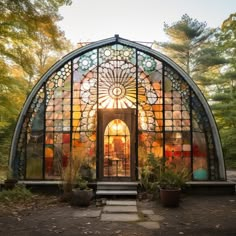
x: 116, y: 154
x: 116, y: 142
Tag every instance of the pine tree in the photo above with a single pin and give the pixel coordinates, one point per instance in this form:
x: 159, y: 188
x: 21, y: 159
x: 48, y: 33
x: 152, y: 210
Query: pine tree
x: 185, y: 38
x: 224, y: 96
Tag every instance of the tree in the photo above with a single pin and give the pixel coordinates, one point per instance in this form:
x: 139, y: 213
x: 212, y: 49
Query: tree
x: 224, y: 96
x: 185, y: 38
x: 29, y: 41
x: 28, y: 32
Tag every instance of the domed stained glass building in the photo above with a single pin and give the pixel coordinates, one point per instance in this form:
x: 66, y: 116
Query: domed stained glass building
x: 110, y: 104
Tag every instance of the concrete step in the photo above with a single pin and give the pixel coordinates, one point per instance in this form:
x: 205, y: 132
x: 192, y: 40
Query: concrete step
x: 114, y: 217
x: 120, y: 209
x: 116, y: 188
x: 123, y: 210
x: 117, y: 192
x: 121, y: 203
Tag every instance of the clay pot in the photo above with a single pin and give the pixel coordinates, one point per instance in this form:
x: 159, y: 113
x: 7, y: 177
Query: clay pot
x: 170, y: 197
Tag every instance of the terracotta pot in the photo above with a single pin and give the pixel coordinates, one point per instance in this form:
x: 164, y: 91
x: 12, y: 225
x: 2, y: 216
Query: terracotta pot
x: 170, y: 197
x: 81, y: 197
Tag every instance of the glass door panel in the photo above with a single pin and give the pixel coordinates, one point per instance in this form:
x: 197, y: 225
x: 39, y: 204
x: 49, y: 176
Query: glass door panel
x: 116, y: 150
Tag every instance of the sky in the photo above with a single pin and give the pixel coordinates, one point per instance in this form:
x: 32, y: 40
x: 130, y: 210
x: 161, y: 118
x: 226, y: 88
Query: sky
x: 137, y: 20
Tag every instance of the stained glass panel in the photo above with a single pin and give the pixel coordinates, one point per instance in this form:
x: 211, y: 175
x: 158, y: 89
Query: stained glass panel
x: 61, y: 120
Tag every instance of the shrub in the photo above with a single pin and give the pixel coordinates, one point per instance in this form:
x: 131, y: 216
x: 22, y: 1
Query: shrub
x: 19, y: 193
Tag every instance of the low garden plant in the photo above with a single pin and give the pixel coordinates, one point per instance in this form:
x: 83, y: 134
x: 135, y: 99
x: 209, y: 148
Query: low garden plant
x: 18, y: 194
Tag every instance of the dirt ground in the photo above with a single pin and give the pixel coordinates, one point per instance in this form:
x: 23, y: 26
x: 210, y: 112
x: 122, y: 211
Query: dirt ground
x: 196, y: 215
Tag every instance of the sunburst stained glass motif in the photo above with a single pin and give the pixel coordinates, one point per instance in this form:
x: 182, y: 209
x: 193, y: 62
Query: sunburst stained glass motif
x: 117, y: 85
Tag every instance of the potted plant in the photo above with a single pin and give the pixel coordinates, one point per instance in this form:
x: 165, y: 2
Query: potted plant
x: 81, y: 193
x: 171, y: 181
x: 75, y: 183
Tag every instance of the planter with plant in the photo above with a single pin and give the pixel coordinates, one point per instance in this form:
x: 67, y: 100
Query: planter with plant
x: 81, y: 193
x: 75, y: 184
x: 157, y: 178
x: 171, y: 181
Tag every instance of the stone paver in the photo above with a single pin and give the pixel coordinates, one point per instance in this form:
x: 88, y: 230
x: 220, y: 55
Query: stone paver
x: 120, y: 209
x: 87, y: 213
x: 126, y: 211
x: 119, y: 217
x: 148, y: 212
x: 121, y: 203
x: 156, y: 217
x: 231, y: 175
x: 150, y: 225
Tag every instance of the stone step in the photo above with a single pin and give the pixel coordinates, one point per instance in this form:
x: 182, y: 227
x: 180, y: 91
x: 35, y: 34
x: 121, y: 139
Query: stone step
x: 121, y: 203
x: 116, y: 187
x: 120, y: 209
x: 116, y: 192
x: 119, y: 217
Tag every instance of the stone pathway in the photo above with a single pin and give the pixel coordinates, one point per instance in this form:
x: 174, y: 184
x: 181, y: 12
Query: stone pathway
x: 120, y: 211
x: 123, y: 211
x: 231, y: 175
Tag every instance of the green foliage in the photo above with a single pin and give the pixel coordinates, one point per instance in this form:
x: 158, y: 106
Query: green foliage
x: 30, y: 42
x: 150, y: 173
x: 173, y: 178
x: 81, y: 183
x: 185, y: 38
x: 17, y: 194
x: 156, y: 173
x: 223, y: 95
x: 29, y: 29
